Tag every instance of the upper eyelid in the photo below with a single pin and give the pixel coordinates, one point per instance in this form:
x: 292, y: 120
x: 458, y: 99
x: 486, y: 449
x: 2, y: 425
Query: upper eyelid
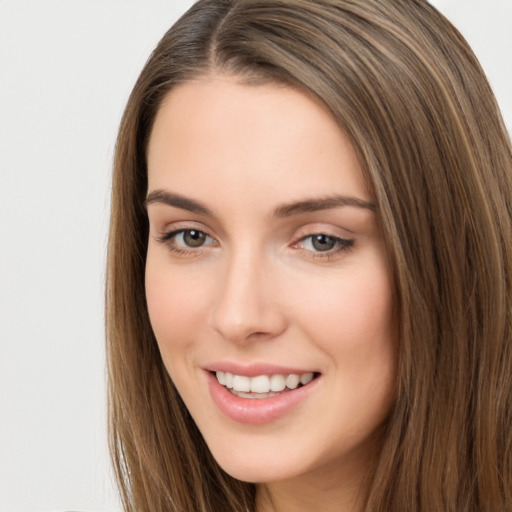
x: 318, y: 229
x: 326, y: 227
x: 298, y: 235
x: 172, y: 233
x: 177, y: 226
x: 346, y: 242
x: 330, y: 235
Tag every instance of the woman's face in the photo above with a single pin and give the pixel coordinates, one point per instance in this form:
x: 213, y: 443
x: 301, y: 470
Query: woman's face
x: 266, y: 271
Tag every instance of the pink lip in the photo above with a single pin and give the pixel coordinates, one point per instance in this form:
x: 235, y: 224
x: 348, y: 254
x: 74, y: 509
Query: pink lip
x: 257, y: 411
x: 253, y: 370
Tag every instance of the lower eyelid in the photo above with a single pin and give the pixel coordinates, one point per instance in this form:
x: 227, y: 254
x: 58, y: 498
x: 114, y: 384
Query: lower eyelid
x: 169, y: 238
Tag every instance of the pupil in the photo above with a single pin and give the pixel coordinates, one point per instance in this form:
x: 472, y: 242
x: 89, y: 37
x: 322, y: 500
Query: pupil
x: 194, y: 238
x: 323, y: 242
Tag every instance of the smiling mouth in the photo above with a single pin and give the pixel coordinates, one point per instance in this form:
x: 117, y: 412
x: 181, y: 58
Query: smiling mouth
x: 263, y: 386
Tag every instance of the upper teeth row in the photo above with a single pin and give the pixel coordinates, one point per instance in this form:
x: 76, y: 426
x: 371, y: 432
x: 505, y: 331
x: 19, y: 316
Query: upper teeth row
x: 262, y: 383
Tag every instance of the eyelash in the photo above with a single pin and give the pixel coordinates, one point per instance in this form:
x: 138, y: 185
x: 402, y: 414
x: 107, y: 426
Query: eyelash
x: 169, y: 240
x: 341, y: 244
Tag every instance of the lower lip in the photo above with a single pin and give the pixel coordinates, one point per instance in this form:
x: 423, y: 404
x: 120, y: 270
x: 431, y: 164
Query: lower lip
x: 257, y: 411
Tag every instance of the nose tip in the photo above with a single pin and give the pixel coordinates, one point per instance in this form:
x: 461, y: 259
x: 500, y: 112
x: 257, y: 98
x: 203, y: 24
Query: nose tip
x: 237, y: 329
x: 246, y: 308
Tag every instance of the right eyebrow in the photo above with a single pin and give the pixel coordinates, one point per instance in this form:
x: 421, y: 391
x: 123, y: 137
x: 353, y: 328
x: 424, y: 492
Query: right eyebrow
x: 177, y: 201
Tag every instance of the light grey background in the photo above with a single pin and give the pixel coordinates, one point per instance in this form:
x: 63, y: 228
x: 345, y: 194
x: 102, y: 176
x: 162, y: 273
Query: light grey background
x: 66, y: 69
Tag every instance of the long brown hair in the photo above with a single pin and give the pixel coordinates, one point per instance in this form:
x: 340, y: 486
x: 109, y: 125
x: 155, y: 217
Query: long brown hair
x: 404, y: 85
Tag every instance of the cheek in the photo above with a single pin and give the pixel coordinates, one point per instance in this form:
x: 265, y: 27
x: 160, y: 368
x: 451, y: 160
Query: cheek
x: 353, y: 312
x: 176, y: 305
x: 352, y: 322
x: 362, y: 344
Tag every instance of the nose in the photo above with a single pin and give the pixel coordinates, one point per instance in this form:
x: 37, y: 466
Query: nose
x: 246, y: 306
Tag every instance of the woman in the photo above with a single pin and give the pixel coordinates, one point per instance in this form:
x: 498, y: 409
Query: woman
x: 309, y: 293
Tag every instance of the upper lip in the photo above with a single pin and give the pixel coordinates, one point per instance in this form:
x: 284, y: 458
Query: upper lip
x: 255, y: 369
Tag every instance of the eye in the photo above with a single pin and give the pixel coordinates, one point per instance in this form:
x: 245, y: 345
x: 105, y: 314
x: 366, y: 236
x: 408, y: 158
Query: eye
x: 192, y: 238
x: 323, y: 243
x: 185, y: 239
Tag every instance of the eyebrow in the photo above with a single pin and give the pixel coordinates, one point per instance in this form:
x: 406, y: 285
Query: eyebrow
x: 184, y: 203
x: 322, y: 203
x: 285, y: 210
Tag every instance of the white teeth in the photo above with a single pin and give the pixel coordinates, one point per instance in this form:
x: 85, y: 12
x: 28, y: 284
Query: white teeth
x: 263, y: 383
x: 292, y: 381
x: 277, y: 383
x: 260, y: 384
x: 241, y: 383
x: 241, y: 394
x: 228, y: 377
x: 306, y: 378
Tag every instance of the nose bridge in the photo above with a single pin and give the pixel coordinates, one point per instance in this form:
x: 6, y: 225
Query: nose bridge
x: 244, y: 308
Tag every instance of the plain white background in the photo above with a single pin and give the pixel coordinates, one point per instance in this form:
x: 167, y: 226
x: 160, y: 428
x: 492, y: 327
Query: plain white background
x: 66, y: 69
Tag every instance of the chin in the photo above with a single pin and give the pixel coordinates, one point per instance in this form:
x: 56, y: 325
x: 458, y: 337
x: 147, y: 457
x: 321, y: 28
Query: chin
x: 260, y: 471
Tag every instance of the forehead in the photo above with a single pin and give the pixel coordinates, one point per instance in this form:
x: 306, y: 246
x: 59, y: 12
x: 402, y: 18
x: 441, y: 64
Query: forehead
x: 218, y: 132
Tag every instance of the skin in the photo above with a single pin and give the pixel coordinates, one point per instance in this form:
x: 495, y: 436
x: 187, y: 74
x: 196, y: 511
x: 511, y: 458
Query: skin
x: 259, y: 291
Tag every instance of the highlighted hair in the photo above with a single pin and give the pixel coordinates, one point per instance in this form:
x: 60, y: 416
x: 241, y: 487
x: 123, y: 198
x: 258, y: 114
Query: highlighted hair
x: 408, y: 91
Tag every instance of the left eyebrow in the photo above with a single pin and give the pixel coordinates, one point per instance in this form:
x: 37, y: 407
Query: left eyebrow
x: 317, y: 204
